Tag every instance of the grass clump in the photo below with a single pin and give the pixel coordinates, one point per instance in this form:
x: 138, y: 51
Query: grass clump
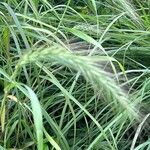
x: 74, y: 75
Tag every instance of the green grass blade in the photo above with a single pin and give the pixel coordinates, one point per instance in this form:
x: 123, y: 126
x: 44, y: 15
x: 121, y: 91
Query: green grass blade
x: 37, y: 115
x: 51, y: 140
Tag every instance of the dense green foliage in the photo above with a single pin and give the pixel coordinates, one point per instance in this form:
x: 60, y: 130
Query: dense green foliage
x: 74, y: 74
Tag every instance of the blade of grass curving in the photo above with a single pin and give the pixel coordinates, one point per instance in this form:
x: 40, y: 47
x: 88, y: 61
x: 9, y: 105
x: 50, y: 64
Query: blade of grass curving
x: 94, y: 6
x: 2, y: 108
x: 2, y: 148
x: 12, y: 128
x: 142, y: 146
x: 56, y: 129
x: 37, y: 115
x: 65, y: 92
x: 78, y: 115
x: 48, y: 32
x: 33, y: 5
x: 17, y: 43
x: 61, y: 19
x: 138, y: 132
x: 51, y: 140
x: 108, y: 27
x: 17, y: 24
x: 106, y: 129
x: 42, y: 23
x: 85, y: 37
x: 73, y: 10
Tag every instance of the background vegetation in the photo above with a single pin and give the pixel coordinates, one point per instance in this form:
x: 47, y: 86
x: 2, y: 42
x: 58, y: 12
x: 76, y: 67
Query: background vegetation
x: 74, y: 74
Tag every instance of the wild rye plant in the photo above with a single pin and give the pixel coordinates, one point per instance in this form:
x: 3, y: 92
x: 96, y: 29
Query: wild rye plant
x: 56, y: 97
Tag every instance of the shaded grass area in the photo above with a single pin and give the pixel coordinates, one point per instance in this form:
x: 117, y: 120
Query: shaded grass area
x: 74, y: 75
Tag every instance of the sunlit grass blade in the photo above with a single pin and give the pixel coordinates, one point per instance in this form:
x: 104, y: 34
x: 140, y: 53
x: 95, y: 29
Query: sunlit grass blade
x: 37, y: 115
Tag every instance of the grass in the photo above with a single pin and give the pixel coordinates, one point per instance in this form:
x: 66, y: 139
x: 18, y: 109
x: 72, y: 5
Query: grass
x: 74, y: 75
